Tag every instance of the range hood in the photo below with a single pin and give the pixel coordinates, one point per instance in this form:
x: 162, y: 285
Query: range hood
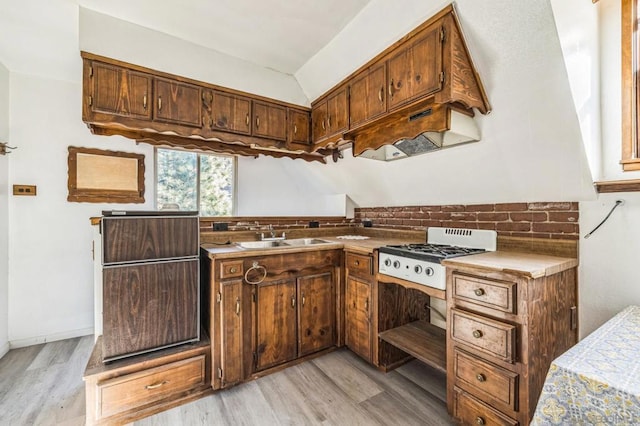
x: 436, y: 127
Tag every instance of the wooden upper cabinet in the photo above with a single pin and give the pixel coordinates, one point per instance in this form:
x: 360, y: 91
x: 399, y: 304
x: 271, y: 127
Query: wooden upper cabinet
x: 231, y: 113
x: 177, y: 102
x: 330, y: 117
x: 299, y: 123
x: 119, y: 91
x: 368, y: 95
x: 416, y: 70
x: 269, y: 120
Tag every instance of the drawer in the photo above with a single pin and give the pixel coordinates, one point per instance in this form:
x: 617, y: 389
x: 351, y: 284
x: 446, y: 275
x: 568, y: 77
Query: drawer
x: 492, y: 337
x: 494, y: 294
x: 231, y: 269
x: 359, y: 265
x: 469, y: 411
x: 135, y: 390
x: 488, y: 382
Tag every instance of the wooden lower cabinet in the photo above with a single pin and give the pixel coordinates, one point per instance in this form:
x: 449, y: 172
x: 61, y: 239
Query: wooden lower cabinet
x: 504, y: 329
x: 358, y: 317
x: 130, y: 389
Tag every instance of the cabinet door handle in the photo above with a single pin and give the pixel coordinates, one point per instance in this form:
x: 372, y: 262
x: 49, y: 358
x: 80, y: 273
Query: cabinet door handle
x: 159, y: 103
x: 329, y: 122
x: 477, y: 334
x: 247, y: 120
x: 479, y: 292
x: 144, y: 101
x: 323, y: 126
x: 238, y: 306
x: 293, y: 301
x: 295, y: 129
x: 257, y: 122
x: 391, y: 88
x: 480, y: 421
x: 156, y: 385
x: 481, y: 377
x: 380, y: 94
x: 303, y: 299
x: 366, y: 305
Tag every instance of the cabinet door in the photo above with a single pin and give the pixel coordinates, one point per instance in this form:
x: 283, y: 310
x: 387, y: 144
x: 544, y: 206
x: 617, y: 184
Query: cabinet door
x: 177, y: 102
x: 317, y: 314
x: 270, y: 121
x: 319, y: 121
x: 337, y: 112
x: 299, y: 127
x: 231, y: 332
x: 119, y: 91
x: 415, y: 71
x: 275, y: 323
x: 231, y: 113
x: 357, y: 321
x: 367, y: 96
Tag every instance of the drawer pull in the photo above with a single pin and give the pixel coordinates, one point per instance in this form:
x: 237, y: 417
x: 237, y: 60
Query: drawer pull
x: 237, y: 306
x: 357, y: 263
x: 479, y: 292
x: 233, y: 270
x: 480, y: 421
x: 477, y: 334
x: 481, y: 377
x: 156, y: 385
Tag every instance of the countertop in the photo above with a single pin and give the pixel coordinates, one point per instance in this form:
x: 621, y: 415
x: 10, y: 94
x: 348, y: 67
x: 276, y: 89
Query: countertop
x: 523, y: 264
x: 362, y: 246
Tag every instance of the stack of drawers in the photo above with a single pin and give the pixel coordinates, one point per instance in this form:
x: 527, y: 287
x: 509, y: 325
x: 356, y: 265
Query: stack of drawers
x: 504, y: 330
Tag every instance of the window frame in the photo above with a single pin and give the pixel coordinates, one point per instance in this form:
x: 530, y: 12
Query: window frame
x: 234, y: 183
x: 630, y: 160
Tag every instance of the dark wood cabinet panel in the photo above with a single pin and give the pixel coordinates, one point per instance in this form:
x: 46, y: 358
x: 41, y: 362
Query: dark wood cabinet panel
x: 231, y: 113
x: 368, y: 96
x: 269, y: 120
x: 177, y: 102
x: 338, y: 112
x: 149, y: 306
x: 319, y: 121
x: 416, y: 71
x: 231, y: 324
x: 116, y: 90
x: 275, y: 323
x: 299, y: 126
x: 133, y: 239
x: 357, y: 317
x: 316, y: 297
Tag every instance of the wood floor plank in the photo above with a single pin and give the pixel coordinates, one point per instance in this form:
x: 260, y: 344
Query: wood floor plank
x: 426, y: 377
x: 246, y: 405
x: 352, y: 381
x: 387, y: 409
x: 54, y: 353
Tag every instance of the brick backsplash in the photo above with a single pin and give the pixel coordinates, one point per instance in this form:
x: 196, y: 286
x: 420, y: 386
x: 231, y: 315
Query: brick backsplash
x: 534, y: 220
x: 262, y: 223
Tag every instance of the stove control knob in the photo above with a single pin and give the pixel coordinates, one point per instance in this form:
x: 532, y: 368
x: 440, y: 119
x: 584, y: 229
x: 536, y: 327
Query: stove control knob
x: 428, y: 271
x: 396, y: 264
x: 387, y: 262
x: 417, y: 269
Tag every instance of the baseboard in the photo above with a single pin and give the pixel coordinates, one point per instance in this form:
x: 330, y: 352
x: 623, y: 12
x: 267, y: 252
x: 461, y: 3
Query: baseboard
x: 4, y: 349
x: 21, y: 343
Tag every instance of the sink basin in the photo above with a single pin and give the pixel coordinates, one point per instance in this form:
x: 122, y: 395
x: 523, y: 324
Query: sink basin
x: 262, y: 244
x: 305, y: 242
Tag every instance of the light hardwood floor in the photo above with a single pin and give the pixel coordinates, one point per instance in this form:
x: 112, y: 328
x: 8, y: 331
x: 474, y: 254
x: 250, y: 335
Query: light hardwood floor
x: 42, y: 385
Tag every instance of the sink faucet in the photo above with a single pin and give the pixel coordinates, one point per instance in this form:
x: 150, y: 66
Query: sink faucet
x: 273, y: 235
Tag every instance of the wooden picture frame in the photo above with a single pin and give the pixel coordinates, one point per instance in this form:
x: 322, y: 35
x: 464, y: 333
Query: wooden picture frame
x: 99, y: 176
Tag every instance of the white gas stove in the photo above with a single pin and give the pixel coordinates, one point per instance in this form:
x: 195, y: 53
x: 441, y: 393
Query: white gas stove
x: 420, y: 263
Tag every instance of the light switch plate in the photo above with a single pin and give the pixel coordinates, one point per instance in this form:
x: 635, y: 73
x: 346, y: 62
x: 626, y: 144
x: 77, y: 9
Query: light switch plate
x: 24, y: 190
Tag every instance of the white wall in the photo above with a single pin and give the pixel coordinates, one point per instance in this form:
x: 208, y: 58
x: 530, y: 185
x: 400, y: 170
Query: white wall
x: 114, y: 38
x: 4, y: 213
x: 50, y: 263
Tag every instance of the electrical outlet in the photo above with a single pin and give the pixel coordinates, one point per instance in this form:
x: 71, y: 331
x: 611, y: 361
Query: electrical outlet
x: 24, y: 190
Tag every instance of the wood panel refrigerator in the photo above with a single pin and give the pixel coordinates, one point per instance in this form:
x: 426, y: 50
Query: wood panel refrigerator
x: 150, y: 281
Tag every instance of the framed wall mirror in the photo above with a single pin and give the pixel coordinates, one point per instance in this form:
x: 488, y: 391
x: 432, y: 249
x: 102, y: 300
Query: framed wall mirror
x: 99, y: 176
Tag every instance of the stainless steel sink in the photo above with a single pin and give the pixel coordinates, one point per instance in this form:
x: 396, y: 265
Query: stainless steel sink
x: 305, y: 242
x: 262, y: 244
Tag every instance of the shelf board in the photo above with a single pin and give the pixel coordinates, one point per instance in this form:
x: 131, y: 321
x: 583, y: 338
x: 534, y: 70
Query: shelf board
x: 422, y: 340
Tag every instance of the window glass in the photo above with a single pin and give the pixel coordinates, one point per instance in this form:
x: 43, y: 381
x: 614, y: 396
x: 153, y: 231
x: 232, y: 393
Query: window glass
x: 194, y: 181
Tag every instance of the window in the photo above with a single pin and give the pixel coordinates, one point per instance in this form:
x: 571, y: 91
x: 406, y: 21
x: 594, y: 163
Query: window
x: 630, y: 95
x: 195, y: 181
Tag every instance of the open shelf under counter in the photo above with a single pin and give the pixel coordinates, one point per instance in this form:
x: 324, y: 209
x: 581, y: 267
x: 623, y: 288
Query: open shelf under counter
x: 422, y: 340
